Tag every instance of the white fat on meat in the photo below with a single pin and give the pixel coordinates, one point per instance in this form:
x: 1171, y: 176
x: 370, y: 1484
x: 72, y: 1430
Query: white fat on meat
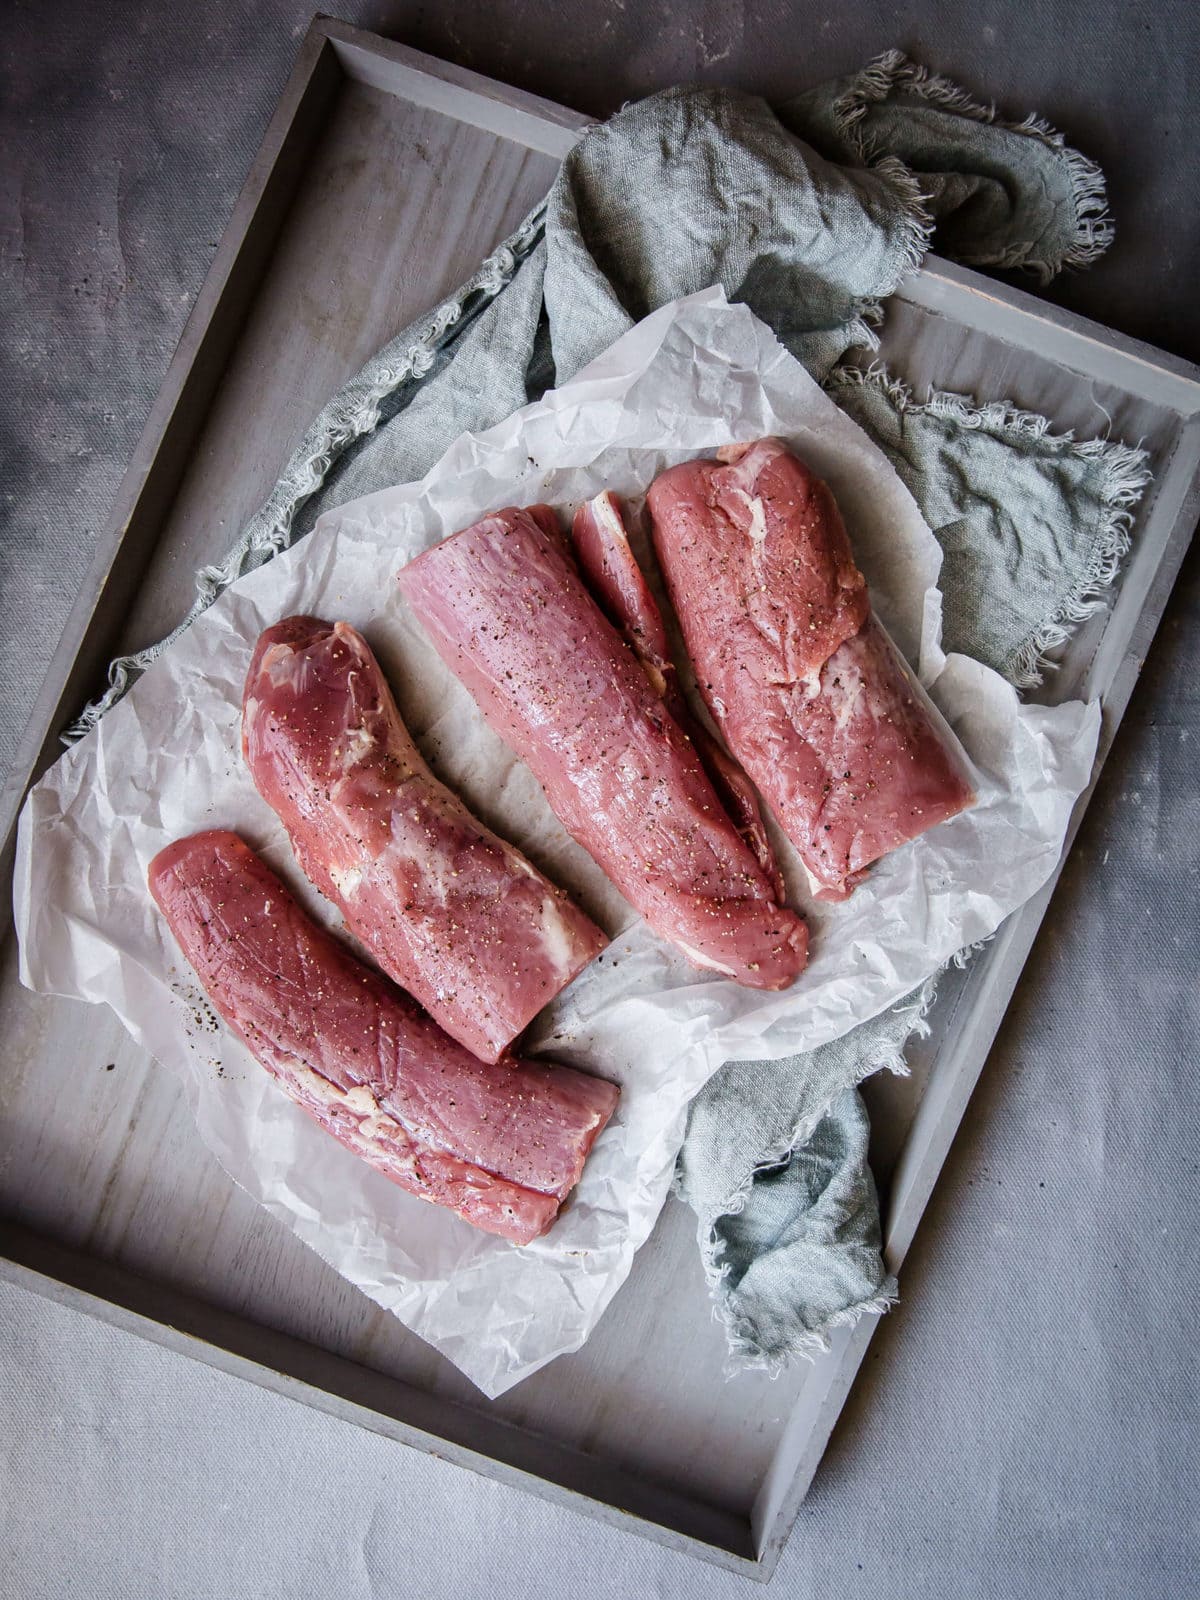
x: 608, y: 516
x: 356, y: 746
x: 845, y: 692
x: 815, y: 886
x: 556, y: 937
x: 346, y: 880
x: 810, y: 682
x: 705, y: 961
x: 374, y: 1125
x: 757, y: 530
x: 279, y: 664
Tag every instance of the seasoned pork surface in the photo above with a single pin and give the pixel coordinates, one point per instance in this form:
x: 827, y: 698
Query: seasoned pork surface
x: 454, y: 914
x: 507, y: 610
x: 805, y: 686
x: 500, y: 1145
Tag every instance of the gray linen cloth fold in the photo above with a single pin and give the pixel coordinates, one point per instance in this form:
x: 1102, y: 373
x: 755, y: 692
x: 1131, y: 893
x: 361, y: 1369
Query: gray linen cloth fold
x: 812, y: 216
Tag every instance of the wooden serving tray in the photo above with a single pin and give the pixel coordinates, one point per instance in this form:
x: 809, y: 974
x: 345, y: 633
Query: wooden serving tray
x: 384, y: 178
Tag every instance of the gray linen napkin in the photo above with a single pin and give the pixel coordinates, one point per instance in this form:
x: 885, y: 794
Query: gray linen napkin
x: 812, y: 216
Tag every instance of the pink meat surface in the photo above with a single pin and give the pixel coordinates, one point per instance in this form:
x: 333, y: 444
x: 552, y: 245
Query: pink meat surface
x: 502, y: 1145
x: 618, y: 584
x: 505, y: 606
x: 451, y: 912
x: 805, y: 686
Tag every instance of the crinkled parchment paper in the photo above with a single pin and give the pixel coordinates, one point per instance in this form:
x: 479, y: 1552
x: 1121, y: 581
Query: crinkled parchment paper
x: 166, y: 762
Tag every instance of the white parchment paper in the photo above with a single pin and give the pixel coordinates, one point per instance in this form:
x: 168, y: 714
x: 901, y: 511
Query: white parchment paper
x: 166, y: 762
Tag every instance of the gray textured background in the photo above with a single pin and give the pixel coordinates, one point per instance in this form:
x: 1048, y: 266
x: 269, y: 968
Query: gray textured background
x: 1029, y: 1420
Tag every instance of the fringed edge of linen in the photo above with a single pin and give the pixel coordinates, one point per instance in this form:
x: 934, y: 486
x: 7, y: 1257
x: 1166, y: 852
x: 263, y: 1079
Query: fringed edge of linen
x: 349, y: 417
x: 743, y: 1355
x: 1125, y: 477
x: 743, y: 1352
x: 1094, y: 229
x: 916, y: 231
